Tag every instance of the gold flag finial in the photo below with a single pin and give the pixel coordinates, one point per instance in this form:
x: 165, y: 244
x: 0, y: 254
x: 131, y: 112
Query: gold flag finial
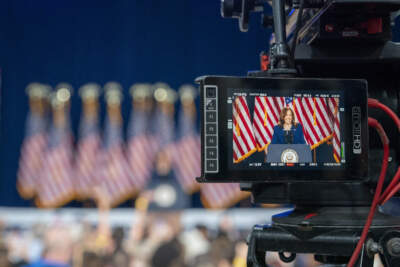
x: 141, y: 91
x: 165, y: 97
x: 38, y: 90
x: 187, y: 93
x: 90, y: 91
x: 61, y: 96
x: 60, y: 99
x: 161, y: 92
x: 113, y: 93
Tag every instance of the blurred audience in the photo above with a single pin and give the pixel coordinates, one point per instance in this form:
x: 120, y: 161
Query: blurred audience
x: 155, y: 239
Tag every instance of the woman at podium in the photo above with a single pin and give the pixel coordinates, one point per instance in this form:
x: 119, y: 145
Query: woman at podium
x: 288, y: 131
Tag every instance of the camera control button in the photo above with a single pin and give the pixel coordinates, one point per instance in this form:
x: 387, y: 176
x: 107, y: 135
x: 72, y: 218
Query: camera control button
x: 211, y: 116
x: 211, y: 92
x: 212, y: 165
x: 211, y: 104
x: 211, y: 128
x: 211, y: 153
x: 211, y: 140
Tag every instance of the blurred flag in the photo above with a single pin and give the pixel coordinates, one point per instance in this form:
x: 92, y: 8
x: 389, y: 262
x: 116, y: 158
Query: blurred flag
x: 186, y: 157
x: 163, y: 123
x: 164, y: 132
x: 34, y: 144
x: 114, y: 172
x: 335, y: 122
x: 312, y: 113
x: 244, y: 143
x: 89, y: 142
x: 266, y: 115
x: 141, y: 147
x: 55, y: 187
x: 221, y: 195
x: 114, y: 175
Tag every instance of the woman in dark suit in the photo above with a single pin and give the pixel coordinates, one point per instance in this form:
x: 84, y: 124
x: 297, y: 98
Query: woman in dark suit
x: 288, y: 131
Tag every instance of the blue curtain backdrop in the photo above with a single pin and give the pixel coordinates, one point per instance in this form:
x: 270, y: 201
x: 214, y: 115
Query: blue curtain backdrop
x: 127, y: 41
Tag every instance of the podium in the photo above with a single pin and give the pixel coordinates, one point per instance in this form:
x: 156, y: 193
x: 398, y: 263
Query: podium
x: 289, y: 153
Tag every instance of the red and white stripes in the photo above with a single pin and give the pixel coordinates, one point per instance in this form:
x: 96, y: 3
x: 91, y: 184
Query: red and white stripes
x: 30, y: 164
x: 86, y: 163
x: 221, y: 195
x: 186, y: 161
x: 115, y: 175
x: 334, y: 104
x: 55, y: 186
x: 318, y: 116
x: 244, y: 143
x: 312, y: 113
x: 140, y: 157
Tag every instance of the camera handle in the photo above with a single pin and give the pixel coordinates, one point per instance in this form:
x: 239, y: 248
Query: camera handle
x: 281, y: 61
x: 310, y: 230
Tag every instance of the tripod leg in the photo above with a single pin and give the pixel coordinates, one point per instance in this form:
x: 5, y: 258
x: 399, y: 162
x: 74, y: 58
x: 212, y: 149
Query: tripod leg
x: 364, y: 260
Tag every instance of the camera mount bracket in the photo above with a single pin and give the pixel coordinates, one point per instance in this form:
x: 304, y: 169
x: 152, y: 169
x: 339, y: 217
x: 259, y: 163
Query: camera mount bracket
x: 331, y: 233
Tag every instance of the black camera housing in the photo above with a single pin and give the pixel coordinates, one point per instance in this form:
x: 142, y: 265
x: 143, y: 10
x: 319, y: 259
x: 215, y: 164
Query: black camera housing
x: 329, y: 185
x: 220, y: 89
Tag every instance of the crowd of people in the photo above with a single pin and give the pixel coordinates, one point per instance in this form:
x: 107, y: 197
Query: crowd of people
x: 154, y: 239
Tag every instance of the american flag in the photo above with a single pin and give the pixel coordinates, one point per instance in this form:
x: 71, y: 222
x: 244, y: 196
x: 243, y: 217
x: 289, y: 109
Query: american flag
x: 163, y: 129
x: 265, y: 117
x: 317, y: 115
x: 313, y: 114
x: 335, y: 119
x: 32, y: 151
x: 140, y: 147
x: 186, y: 154
x: 221, y: 195
x: 88, y: 149
x: 56, y: 186
x: 244, y: 143
x: 115, y: 176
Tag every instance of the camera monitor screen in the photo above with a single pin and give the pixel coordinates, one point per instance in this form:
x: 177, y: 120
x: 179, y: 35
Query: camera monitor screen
x: 270, y: 130
x: 257, y: 129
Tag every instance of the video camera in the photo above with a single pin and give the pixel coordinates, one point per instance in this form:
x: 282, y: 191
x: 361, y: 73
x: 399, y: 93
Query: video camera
x: 296, y: 132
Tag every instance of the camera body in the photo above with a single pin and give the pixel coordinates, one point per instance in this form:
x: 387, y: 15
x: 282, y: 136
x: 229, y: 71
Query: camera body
x: 296, y: 132
x: 352, y: 59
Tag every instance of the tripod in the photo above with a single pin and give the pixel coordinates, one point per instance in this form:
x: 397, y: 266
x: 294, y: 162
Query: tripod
x: 331, y: 233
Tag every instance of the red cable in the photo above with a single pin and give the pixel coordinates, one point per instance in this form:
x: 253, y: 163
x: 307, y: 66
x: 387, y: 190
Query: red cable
x: 374, y: 103
x: 373, y: 123
x: 392, y: 188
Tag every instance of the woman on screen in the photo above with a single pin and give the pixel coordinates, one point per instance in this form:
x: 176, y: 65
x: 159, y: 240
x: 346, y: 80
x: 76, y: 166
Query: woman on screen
x: 288, y: 131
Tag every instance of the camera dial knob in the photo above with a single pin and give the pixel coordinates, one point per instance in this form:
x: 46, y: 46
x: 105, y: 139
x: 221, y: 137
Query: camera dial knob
x: 231, y: 8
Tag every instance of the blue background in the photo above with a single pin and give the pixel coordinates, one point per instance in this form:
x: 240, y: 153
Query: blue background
x: 127, y: 41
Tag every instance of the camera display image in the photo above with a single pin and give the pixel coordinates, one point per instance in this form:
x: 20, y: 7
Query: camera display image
x: 301, y: 129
